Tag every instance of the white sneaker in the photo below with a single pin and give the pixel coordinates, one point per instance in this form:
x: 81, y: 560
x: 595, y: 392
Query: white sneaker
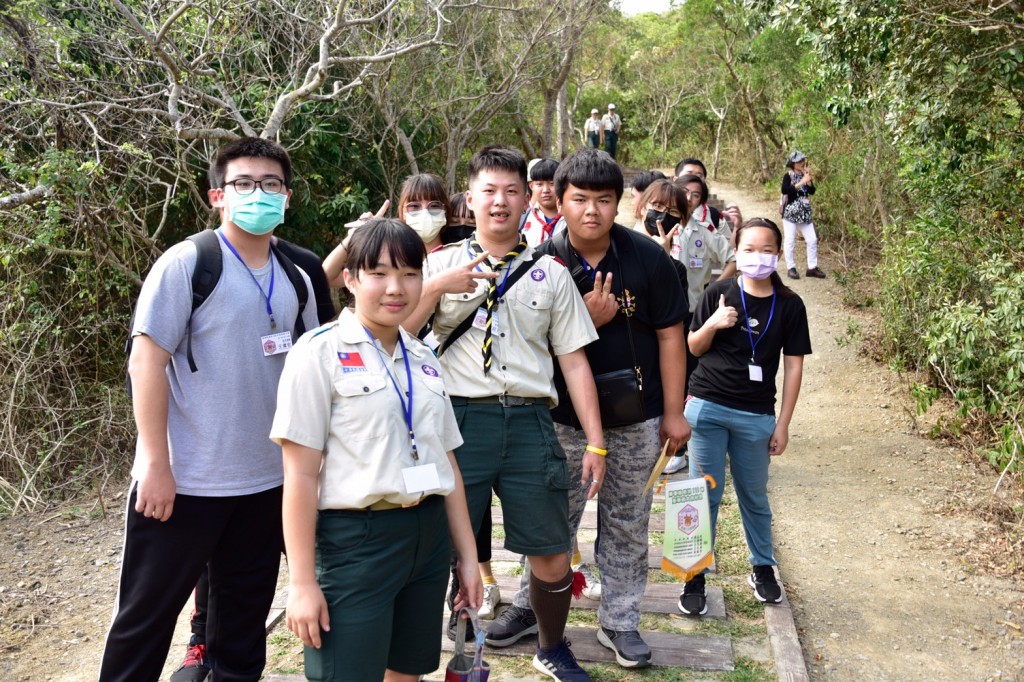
x: 489, y: 606
x: 676, y: 463
x: 593, y: 588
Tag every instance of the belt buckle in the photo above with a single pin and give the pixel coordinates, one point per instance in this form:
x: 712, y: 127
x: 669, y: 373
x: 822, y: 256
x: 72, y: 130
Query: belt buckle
x: 511, y: 400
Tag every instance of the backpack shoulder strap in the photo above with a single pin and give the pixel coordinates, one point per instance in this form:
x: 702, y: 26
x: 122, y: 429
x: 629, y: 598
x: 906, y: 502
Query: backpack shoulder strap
x: 295, y: 277
x: 468, y: 322
x: 209, y: 265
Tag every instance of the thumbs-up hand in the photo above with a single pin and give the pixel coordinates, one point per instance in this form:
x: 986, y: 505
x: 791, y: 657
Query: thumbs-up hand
x: 724, y: 316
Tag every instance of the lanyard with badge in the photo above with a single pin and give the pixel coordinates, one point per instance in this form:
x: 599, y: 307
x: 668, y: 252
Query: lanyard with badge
x: 480, y: 320
x: 423, y: 477
x: 274, y: 343
x: 755, y: 369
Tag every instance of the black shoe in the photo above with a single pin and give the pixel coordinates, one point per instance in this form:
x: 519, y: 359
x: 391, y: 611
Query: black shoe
x: 631, y: 651
x: 560, y: 664
x: 694, y: 599
x: 453, y: 624
x: 195, y: 668
x: 816, y: 272
x: 793, y: 274
x: 766, y: 587
x: 511, y: 626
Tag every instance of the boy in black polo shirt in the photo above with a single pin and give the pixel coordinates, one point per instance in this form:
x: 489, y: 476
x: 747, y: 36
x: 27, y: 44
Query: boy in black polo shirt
x: 638, y: 306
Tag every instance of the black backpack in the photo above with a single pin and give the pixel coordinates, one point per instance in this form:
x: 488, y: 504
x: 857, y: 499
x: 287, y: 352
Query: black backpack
x: 209, y: 264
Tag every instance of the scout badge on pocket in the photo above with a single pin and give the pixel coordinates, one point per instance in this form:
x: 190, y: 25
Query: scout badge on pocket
x: 688, y: 549
x: 463, y: 668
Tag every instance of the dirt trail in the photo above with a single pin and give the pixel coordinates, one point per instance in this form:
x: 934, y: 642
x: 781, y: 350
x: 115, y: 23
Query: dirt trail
x: 878, y: 587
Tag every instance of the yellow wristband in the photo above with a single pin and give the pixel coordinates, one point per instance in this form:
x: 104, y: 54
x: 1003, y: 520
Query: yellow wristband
x: 596, y: 450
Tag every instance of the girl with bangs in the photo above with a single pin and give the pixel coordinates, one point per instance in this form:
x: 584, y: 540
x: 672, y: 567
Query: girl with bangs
x: 372, y: 491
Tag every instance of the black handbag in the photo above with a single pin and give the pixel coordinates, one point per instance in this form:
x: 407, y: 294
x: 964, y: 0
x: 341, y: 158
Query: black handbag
x: 620, y: 394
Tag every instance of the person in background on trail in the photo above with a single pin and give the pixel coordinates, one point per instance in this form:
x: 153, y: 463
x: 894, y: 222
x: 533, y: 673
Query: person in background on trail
x: 423, y: 205
x: 542, y: 219
x: 372, y: 491
x: 635, y: 300
x: 641, y: 181
x: 797, y: 188
x: 462, y: 223
x: 740, y: 329
x: 214, y: 499
x: 592, y: 129
x: 499, y: 340
x: 195, y: 667
x: 710, y: 215
x: 611, y: 128
x: 695, y: 246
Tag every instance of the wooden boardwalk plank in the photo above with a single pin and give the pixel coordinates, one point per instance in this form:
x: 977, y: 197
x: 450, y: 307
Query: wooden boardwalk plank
x: 658, y: 598
x: 667, y: 650
x: 589, y: 520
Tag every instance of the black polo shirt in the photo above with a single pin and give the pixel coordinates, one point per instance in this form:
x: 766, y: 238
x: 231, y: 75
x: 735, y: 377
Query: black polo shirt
x: 645, y: 279
x: 723, y: 374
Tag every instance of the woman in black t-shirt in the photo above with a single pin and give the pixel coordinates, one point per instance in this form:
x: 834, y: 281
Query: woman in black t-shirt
x: 739, y: 331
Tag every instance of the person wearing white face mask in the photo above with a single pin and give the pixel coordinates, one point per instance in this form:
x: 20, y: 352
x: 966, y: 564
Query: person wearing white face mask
x: 739, y: 331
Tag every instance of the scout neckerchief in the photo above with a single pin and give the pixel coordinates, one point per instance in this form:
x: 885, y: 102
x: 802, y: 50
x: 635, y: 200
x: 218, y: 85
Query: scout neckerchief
x: 754, y: 368
x: 266, y: 294
x: 547, y: 224
x: 494, y: 291
x: 406, y: 407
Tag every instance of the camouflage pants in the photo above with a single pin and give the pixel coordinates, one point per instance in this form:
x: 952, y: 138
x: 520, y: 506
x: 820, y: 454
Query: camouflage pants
x: 623, y: 516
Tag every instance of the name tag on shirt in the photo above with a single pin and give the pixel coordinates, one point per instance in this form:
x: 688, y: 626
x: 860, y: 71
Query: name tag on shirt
x: 755, y: 373
x: 420, y: 479
x: 480, y: 321
x: 696, y: 263
x: 275, y: 344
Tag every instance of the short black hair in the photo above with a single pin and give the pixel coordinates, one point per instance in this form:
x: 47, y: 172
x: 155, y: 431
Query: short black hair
x: 590, y: 169
x: 498, y: 158
x: 460, y: 209
x: 685, y: 180
x: 544, y: 170
x: 248, y: 147
x: 405, y: 248
x: 643, y: 179
x: 690, y: 162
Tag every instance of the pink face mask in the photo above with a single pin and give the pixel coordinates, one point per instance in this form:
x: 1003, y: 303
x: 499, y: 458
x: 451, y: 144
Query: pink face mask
x: 756, y: 265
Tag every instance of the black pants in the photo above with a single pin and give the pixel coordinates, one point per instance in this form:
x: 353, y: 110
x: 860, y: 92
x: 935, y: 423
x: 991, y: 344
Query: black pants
x: 240, y: 539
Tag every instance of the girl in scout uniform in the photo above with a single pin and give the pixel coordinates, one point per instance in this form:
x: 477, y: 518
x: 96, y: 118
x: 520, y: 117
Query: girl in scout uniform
x: 740, y: 331
x: 371, y: 490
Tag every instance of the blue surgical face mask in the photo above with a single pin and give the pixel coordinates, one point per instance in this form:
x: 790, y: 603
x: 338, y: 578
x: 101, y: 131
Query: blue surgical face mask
x: 257, y: 213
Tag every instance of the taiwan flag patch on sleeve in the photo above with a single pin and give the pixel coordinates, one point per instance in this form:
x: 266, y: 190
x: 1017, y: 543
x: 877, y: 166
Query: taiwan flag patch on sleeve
x: 351, y: 362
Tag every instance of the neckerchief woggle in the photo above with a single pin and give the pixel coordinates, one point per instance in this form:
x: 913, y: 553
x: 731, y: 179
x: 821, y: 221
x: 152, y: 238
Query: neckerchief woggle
x: 266, y: 294
x: 406, y: 407
x: 750, y: 334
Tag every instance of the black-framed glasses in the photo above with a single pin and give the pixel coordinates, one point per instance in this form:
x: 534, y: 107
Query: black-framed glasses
x: 246, y: 186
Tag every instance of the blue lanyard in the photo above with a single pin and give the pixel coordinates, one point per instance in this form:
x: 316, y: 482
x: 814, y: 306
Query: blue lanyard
x: 587, y: 267
x: 406, y: 407
x: 750, y: 334
x: 266, y: 294
x: 508, y: 270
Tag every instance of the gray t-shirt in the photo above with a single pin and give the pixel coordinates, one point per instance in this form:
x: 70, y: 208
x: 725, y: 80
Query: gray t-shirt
x: 218, y: 421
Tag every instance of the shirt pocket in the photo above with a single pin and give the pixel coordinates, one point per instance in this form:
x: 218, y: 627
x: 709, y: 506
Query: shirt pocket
x: 458, y: 306
x: 538, y: 298
x: 365, y: 407
x: 434, y: 399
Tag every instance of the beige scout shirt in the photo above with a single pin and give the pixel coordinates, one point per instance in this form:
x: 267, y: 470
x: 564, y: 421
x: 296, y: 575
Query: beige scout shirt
x: 335, y: 396
x: 541, y: 310
x: 700, y: 250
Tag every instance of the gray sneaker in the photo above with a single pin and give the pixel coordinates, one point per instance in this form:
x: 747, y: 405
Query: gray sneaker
x: 511, y: 626
x: 631, y: 651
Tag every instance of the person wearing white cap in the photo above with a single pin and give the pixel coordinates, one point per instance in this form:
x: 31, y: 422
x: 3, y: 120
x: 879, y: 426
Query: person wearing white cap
x: 611, y: 124
x: 592, y: 128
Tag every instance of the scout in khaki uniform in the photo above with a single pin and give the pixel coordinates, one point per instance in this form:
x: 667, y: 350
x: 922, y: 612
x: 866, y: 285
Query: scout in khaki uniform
x: 370, y: 481
x: 500, y: 312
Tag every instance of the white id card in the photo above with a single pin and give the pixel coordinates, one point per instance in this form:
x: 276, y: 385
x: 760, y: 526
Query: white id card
x: 274, y: 344
x: 755, y: 373
x: 420, y: 479
x: 480, y: 321
x: 696, y: 263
